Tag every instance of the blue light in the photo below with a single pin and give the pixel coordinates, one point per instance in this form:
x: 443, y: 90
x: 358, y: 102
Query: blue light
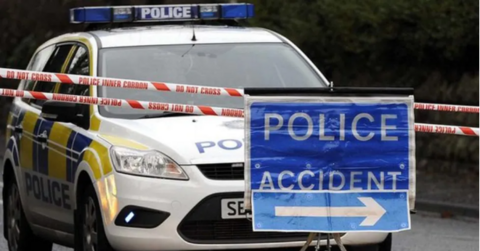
x: 157, y: 13
x: 238, y: 11
x: 129, y: 217
x: 91, y: 15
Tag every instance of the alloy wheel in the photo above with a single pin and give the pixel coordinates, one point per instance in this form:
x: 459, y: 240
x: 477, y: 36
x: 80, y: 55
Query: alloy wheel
x: 90, y: 239
x: 13, y: 216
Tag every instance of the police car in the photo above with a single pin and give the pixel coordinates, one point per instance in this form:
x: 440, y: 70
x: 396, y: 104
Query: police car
x: 110, y: 178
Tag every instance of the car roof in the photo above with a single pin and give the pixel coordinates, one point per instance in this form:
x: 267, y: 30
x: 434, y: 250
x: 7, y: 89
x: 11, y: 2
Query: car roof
x: 180, y: 34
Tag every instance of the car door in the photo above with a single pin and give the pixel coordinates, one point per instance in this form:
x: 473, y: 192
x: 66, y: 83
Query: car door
x: 43, y: 191
x: 62, y: 159
x: 23, y: 121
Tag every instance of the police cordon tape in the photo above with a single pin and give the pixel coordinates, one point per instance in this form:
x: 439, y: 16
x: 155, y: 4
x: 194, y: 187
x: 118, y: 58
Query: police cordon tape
x: 118, y: 83
x: 447, y: 129
x: 194, y: 109
x: 127, y: 103
x: 171, y: 87
x: 447, y: 108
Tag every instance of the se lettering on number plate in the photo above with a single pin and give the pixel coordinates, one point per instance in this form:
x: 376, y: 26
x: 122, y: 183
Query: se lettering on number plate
x: 234, y: 209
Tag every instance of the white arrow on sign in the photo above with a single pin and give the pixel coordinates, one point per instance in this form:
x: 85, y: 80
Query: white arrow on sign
x: 372, y: 211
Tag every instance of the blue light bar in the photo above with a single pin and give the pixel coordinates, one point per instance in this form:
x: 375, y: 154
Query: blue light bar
x: 157, y: 13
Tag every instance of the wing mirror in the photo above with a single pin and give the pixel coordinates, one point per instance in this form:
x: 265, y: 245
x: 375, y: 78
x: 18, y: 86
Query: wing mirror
x: 61, y: 112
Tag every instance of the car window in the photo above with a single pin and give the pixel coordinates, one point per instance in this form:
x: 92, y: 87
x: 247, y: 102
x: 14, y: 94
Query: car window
x: 37, y: 63
x: 79, y: 65
x: 270, y: 65
x: 54, y: 64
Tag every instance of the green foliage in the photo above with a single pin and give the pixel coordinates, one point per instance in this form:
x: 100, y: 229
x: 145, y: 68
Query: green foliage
x: 378, y: 33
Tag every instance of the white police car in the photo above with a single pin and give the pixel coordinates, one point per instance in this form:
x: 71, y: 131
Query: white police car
x: 109, y: 178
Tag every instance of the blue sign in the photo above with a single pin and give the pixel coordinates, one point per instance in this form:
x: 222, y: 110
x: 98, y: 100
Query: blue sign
x: 330, y: 164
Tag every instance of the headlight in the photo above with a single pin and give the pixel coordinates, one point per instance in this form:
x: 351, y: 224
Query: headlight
x: 148, y: 163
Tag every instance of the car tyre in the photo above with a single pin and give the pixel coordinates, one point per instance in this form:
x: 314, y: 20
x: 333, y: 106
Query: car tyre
x: 386, y: 245
x: 90, y: 229
x: 20, y: 236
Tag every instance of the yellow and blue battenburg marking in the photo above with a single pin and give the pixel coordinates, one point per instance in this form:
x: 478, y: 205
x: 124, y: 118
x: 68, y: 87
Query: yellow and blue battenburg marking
x: 55, y: 150
x: 57, y: 153
x: 57, y: 159
x: 8, y: 132
x: 26, y: 147
x: 77, y: 142
x: 40, y: 150
x: 60, y: 161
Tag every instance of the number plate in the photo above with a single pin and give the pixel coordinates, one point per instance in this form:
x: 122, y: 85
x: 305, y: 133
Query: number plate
x: 234, y: 209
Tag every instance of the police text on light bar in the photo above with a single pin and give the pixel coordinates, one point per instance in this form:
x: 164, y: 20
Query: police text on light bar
x: 184, y: 12
x: 155, y: 13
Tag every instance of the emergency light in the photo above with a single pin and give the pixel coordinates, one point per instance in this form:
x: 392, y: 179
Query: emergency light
x: 157, y: 13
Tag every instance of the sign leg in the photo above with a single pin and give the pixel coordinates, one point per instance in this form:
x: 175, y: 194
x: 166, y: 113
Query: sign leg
x: 317, y: 247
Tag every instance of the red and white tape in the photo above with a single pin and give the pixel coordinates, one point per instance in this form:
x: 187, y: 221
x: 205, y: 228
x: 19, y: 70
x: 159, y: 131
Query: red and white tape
x: 171, y: 87
x: 135, y: 104
x: 447, y: 108
x: 118, y: 83
x: 194, y: 109
x: 447, y: 129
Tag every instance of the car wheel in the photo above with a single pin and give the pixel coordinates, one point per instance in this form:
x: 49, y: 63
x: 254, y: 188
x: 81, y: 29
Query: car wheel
x: 90, y: 229
x: 19, y: 234
x: 386, y: 245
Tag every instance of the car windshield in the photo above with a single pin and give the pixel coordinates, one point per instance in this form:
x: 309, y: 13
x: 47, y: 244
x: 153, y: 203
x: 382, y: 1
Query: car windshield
x: 216, y: 65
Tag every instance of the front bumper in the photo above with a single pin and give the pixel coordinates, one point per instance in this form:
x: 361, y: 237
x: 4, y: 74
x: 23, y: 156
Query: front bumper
x: 194, y: 221
x: 204, y: 225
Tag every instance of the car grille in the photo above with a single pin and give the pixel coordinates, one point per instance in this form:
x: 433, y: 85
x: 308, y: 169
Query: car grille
x: 223, y: 171
x: 232, y: 231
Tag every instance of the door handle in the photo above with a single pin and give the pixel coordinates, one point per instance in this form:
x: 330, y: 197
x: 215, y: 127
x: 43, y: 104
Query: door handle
x: 18, y: 129
x: 42, y: 138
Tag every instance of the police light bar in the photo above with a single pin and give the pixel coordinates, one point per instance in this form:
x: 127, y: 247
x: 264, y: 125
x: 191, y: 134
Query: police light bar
x: 157, y: 13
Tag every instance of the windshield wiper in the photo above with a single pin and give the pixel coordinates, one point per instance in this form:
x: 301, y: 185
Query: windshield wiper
x: 165, y: 114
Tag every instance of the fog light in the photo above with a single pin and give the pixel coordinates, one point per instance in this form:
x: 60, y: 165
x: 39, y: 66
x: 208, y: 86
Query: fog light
x: 129, y: 217
x: 139, y: 217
